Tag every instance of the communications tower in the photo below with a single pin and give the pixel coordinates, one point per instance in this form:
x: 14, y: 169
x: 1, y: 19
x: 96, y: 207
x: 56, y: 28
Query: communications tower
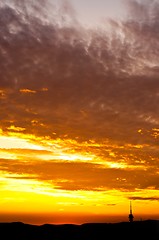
x: 131, y: 217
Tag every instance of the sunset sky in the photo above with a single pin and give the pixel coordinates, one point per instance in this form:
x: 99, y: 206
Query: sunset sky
x: 79, y: 110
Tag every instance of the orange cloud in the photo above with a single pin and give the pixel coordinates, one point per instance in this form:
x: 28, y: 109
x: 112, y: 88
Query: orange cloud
x: 27, y: 91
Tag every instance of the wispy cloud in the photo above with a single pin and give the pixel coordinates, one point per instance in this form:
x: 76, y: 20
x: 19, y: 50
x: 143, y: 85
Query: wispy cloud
x: 145, y: 198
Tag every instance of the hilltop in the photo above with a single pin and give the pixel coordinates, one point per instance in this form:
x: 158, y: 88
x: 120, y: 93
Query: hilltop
x: 148, y: 229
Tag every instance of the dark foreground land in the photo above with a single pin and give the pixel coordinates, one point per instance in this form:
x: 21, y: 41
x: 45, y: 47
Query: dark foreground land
x: 148, y: 229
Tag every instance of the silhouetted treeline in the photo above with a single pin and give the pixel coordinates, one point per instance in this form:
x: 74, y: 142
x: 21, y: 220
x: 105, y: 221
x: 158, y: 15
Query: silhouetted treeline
x: 142, y: 230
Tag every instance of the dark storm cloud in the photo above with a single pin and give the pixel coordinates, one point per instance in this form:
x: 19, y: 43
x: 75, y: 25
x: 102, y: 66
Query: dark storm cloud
x: 98, y: 84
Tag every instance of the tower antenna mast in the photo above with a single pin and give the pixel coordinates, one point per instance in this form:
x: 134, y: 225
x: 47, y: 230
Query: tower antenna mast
x: 131, y: 217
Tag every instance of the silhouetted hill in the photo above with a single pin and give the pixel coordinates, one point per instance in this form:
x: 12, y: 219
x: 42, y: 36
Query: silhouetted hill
x: 148, y: 229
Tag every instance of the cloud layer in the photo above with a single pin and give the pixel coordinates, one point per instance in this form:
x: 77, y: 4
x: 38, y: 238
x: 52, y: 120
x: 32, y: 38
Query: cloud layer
x: 61, y: 80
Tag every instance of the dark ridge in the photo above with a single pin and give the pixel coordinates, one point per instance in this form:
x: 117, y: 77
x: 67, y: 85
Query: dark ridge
x: 148, y: 229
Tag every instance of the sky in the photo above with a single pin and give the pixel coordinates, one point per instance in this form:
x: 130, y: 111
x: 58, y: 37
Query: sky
x: 79, y: 116
x: 93, y: 12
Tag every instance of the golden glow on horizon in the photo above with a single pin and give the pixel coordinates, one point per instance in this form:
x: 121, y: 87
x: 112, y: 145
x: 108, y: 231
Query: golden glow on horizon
x: 20, y: 190
x: 40, y: 197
